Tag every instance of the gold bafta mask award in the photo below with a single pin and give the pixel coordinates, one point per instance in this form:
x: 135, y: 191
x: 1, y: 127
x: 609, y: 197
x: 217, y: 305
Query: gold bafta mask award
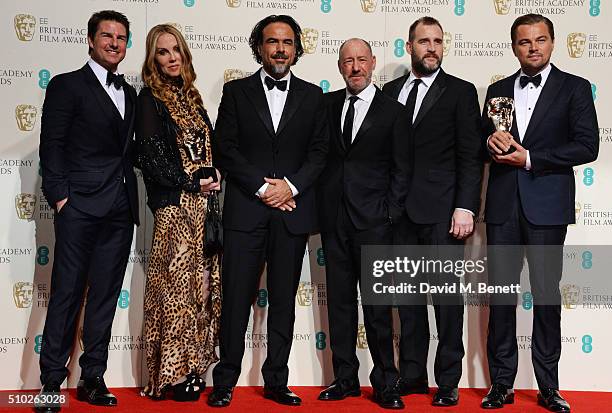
x: 310, y: 37
x: 25, y: 205
x: 233, y: 3
x: 304, y: 294
x: 502, y: 6
x: 576, y: 43
x: 25, y: 27
x: 23, y: 292
x: 368, y: 6
x: 447, y: 40
x: 362, y: 340
x: 500, y: 112
x: 232, y: 74
x: 25, y: 115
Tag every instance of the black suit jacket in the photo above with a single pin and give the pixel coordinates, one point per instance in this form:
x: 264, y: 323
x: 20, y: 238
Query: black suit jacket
x: 445, y: 139
x: 562, y: 133
x: 86, y: 148
x: 247, y: 149
x: 370, y: 176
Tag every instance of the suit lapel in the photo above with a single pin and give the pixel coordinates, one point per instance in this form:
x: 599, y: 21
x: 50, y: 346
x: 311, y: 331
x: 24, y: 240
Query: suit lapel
x: 368, y: 121
x: 431, y: 97
x: 130, y: 115
x: 508, y: 91
x: 294, y: 99
x: 336, y: 116
x: 105, y: 102
x: 257, y: 96
x: 545, y: 101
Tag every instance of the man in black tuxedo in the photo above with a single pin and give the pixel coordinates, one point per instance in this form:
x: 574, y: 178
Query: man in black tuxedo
x: 360, y: 195
x: 530, y: 201
x: 88, y: 178
x: 443, y: 198
x: 271, y: 143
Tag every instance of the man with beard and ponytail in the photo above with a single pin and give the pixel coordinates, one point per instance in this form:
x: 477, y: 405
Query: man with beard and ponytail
x: 443, y: 198
x: 271, y: 144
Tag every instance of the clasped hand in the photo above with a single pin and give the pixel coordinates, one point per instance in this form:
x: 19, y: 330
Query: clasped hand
x: 278, y: 195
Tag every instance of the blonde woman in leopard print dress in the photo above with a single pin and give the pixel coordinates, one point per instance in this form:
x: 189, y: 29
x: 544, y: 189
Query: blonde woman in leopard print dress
x: 182, y: 296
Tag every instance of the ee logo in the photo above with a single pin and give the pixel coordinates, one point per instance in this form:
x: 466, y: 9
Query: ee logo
x: 42, y: 255
x: 43, y: 78
x: 527, y: 300
x: 594, y: 9
x: 262, y: 298
x: 129, y: 42
x: 124, y: 299
x: 325, y: 6
x: 594, y: 90
x: 321, y: 257
x: 459, y: 7
x: 588, y: 176
x: 587, y: 260
x: 587, y: 343
x: 189, y: 3
x: 321, y: 338
x: 325, y: 85
x: 398, y: 45
x: 38, y: 343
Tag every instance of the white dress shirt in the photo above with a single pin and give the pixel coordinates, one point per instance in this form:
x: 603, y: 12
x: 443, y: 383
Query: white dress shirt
x: 362, y: 105
x: 276, y: 103
x: 423, y: 88
x: 525, y: 100
x: 116, y: 95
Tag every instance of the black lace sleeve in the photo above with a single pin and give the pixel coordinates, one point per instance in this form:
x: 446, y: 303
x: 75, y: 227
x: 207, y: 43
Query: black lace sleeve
x: 155, y: 155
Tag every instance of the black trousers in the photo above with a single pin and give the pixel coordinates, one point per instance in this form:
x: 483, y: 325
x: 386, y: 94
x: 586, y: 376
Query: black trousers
x: 342, y: 248
x: 93, y: 252
x: 414, y: 339
x: 545, y: 270
x: 243, y: 260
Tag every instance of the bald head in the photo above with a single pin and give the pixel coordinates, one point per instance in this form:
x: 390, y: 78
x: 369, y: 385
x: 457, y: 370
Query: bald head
x: 356, y: 64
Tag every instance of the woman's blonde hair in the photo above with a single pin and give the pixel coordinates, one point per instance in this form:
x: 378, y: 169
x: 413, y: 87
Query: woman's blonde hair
x: 155, y: 79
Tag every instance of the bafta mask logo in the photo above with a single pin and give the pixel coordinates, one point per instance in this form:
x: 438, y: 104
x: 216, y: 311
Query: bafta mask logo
x: 304, y: 294
x: 497, y: 78
x: 232, y: 74
x: 447, y: 40
x: 578, y: 209
x: 177, y: 26
x: 233, y: 3
x: 25, y: 26
x: 576, y: 43
x: 310, y: 38
x: 362, y: 341
x: 26, y: 117
x: 23, y: 292
x: 368, y: 6
x: 570, y: 295
x: 25, y: 205
x: 502, y: 6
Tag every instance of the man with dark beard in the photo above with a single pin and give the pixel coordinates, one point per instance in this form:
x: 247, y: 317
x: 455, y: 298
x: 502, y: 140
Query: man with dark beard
x: 271, y: 142
x: 443, y: 198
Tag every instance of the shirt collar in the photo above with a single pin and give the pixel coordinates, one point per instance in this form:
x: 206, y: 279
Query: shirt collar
x: 427, y: 80
x: 544, y: 72
x: 263, y: 74
x: 98, y: 70
x: 366, y: 94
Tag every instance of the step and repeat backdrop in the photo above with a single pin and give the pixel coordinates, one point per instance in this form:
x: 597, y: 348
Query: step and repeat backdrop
x: 45, y: 38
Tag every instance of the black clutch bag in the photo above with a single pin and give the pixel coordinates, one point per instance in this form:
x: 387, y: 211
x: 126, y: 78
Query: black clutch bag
x: 213, y: 228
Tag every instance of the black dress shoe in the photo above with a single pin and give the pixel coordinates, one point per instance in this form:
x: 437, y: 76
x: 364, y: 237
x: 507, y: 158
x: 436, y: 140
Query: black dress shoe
x: 388, y: 399
x: 94, y: 391
x: 221, y: 396
x: 446, y: 396
x: 405, y: 387
x: 498, y: 395
x: 339, y: 390
x: 553, y: 401
x: 282, y: 395
x: 49, y: 389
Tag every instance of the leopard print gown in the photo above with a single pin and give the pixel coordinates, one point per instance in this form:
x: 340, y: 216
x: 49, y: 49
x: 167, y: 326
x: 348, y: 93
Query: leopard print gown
x: 183, y: 292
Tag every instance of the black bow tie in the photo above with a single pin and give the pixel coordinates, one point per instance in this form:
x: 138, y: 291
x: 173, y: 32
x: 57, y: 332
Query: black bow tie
x: 271, y: 83
x: 525, y: 80
x: 115, y: 80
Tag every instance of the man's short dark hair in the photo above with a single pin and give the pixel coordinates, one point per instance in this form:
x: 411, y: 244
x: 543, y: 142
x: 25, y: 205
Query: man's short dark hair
x: 427, y: 21
x: 256, y: 38
x: 529, y: 19
x: 112, y: 15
